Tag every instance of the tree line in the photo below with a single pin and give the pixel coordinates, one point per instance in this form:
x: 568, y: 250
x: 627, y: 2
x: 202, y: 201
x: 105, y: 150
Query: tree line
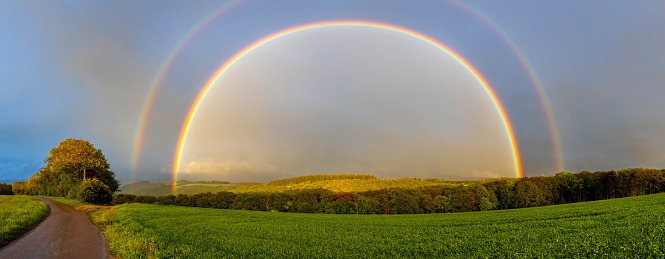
x: 483, y: 195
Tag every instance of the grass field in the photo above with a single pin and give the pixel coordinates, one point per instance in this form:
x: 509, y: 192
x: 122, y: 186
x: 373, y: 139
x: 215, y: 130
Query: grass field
x: 18, y: 215
x: 629, y: 227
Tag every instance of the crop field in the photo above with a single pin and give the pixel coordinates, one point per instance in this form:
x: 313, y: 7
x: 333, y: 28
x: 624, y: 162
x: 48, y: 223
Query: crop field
x: 18, y: 215
x: 629, y: 227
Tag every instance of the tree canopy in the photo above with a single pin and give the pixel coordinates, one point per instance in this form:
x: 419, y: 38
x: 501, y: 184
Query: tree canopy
x: 64, y: 172
x: 71, y: 157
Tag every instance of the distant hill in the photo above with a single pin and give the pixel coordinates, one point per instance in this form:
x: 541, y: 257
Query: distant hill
x: 320, y: 177
x: 336, y: 183
x: 333, y: 182
x: 184, y: 187
x: 146, y: 188
x: 350, y: 185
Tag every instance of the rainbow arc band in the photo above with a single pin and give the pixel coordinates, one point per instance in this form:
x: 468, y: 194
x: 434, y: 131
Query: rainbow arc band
x: 361, y: 24
x: 161, y: 73
x: 547, y: 106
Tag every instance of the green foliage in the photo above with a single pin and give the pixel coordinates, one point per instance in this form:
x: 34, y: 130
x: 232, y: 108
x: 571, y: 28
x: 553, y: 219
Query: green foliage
x: 320, y: 177
x: 18, y: 215
x: 95, y: 192
x: 619, y: 228
x: 368, y: 206
x: 485, y: 204
x: 527, y: 195
x: 6, y: 189
x: 72, y: 156
x: 64, y: 170
x: 404, y: 202
x: 441, y: 203
x: 126, y: 198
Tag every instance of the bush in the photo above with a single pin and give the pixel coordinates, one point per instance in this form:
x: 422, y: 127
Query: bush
x: 74, y: 192
x: 166, y: 200
x: 6, y: 189
x: 123, y: 198
x: 368, y: 206
x: 96, y: 192
x: 440, y: 203
x: 485, y: 204
x: 342, y: 206
x: 145, y: 199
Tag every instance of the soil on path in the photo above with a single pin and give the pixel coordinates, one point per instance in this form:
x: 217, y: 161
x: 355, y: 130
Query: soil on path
x: 65, y: 233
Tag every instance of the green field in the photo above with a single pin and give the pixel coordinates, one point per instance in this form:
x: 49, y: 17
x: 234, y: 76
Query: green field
x: 18, y: 215
x: 628, y: 227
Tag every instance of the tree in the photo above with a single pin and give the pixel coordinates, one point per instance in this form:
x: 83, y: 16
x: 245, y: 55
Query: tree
x: 441, y: 203
x: 94, y: 191
x: 5, y: 189
x: 527, y: 194
x: 485, y: 204
x: 68, y: 161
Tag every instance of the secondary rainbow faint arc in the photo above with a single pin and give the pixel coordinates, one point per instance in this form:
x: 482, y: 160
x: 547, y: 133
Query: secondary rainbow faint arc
x: 362, y: 24
x: 161, y: 72
x: 556, y: 142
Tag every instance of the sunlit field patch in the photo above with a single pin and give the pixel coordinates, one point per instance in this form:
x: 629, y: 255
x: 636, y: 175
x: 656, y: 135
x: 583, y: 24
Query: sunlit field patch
x: 628, y: 227
x: 18, y: 215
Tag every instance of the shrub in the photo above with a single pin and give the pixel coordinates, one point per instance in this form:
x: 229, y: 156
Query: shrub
x: 440, y: 203
x: 368, y: 206
x: 6, y: 189
x: 123, y: 198
x: 96, y: 192
x: 342, y: 206
x: 145, y: 199
x: 74, y: 192
x: 485, y: 204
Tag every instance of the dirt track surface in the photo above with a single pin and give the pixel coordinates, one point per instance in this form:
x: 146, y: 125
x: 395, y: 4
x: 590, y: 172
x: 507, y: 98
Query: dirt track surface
x: 65, y: 233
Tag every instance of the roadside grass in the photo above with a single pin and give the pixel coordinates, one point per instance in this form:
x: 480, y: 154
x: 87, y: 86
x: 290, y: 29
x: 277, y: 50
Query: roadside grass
x: 62, y: 200
x: 620, y: 228
x: 18, y: 215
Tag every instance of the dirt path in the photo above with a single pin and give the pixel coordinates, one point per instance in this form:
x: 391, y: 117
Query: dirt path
x: 65, y: 233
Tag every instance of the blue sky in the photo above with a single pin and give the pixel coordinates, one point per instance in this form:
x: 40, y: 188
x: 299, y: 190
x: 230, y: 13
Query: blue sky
x: 82, y: 69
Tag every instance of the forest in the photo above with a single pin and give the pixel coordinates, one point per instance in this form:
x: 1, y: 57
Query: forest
x: 443, y: 197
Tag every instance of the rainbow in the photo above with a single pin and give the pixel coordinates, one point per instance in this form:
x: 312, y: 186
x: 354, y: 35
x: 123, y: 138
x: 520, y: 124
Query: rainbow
x: 547, y: 107
x: 363, y: 24
x: 157, y: 80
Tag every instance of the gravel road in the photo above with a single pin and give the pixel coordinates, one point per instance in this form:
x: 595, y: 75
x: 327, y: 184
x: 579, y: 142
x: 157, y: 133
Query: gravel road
x: 65, y: 233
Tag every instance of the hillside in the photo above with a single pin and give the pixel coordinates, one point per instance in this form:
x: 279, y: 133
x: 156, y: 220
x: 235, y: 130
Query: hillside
x: 619, y: 228
x: 184, y: 187
x: 348, y: 185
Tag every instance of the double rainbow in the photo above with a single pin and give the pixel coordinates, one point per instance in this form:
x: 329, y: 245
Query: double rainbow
x: 361, y: 24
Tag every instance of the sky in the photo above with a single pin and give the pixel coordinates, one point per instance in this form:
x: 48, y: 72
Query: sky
x: 580, y: 83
